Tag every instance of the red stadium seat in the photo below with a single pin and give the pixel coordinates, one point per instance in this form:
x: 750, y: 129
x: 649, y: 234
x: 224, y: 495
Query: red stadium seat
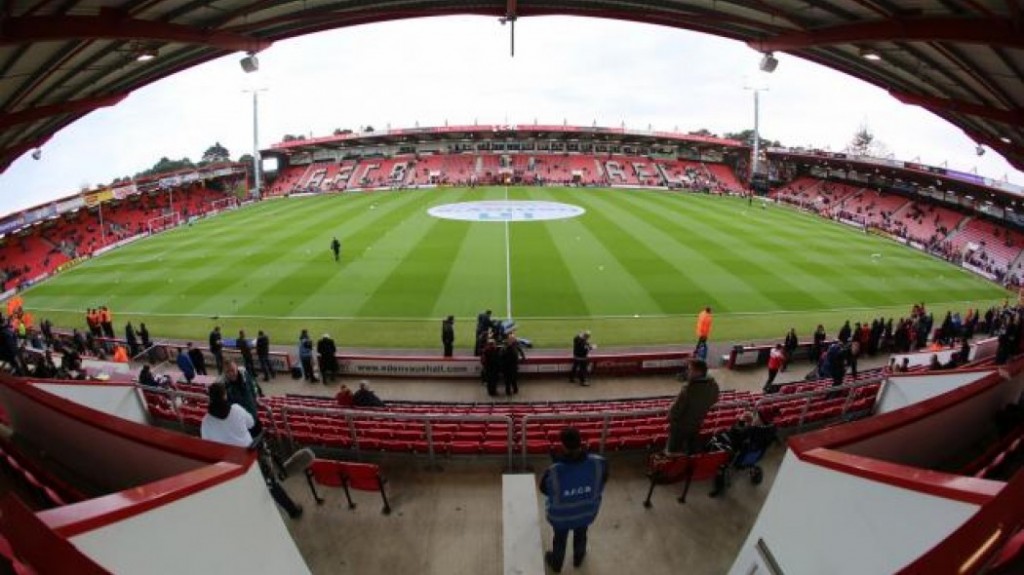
x: 464, y: 447
x: 538, y: 446
x: 667, y: 469
x: 494, y: 447
x: 361, y: 476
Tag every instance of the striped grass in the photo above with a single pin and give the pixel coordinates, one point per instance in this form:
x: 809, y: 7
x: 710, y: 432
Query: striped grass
x: 635, y: 269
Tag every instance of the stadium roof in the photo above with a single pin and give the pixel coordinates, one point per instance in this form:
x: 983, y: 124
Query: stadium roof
x: 963, y: 60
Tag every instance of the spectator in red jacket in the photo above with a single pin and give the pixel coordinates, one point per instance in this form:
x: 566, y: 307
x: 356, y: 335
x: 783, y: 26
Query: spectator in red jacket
x: 776, y: 359
x: 344, y: 397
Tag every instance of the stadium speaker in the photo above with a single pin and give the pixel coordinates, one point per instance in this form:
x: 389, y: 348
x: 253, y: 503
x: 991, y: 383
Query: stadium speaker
x: 37, y: 153
x: 979, y: 150
x: 768, y: 63
x: 250, y: 64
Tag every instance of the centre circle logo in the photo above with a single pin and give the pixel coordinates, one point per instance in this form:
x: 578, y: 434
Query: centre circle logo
x: 506, y: 211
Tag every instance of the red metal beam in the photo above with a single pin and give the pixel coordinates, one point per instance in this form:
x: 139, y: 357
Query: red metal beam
x: 989, y: 31
x: 874, y: 8
x: 1011, y: 151
x: 8, y: 155
x: 81, y: 106
x: 296, y: 24
x: 934, y: 103
x: 510, y: 8
x: 111, y: 25
x: 980, y: 8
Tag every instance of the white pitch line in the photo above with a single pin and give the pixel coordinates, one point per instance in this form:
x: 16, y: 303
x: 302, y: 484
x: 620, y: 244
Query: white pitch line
x: 508, y: 269
x: 539, y: 318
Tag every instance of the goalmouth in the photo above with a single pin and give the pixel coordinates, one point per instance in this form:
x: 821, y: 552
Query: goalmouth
x: 164, y: 222
x: 173, y: 220
x: 222, y: 205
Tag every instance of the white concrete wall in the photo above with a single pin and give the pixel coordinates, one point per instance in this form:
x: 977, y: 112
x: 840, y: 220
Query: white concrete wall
x: 984, y: 349
x: 120, y: 400
x: 919, y: 358
x: 233, y: 527
x: 818, y: 521
x: 929, y: 441
x: 108, y: 367
x: 904, y: 390
x: 520, y: 525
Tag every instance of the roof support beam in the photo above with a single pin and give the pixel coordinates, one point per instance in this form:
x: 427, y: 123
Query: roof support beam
x: 934, y: 103
x: 80, y: 106
x: 8, y: 155
x: 1010, y: 151
x: 112, y: 25
x: 989, y: 31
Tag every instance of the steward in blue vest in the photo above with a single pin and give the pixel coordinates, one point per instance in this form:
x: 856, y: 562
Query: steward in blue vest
x: 573, y: 486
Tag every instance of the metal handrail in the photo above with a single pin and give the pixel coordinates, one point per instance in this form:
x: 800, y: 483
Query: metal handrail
x: 350, y: 415
x: 809, y: 396
x: 606, y: 417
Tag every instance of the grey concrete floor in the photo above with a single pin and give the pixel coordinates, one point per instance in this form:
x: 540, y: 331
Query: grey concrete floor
x: 449, y: 521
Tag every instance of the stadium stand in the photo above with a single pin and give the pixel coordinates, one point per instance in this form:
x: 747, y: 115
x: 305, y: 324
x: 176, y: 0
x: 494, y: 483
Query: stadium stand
x: 926, y: 224
x: 683, y: 174
x: 833, y: 193
x: 380, y: 173
x: 569, y: 169
x: 799, y: 191
x: 619, y: 171
x: 287, y: 181
x: 992, y: 250
x: 428, y: 169
x: 530, y: 428
x: 39, y: 250
x: 498, y: 169
x: 872, y: 208
x: 987, y: 245
x: 723, y: 179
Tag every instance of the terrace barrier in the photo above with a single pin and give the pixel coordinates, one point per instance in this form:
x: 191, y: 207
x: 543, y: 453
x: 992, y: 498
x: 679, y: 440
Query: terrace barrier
x: 789, y: 412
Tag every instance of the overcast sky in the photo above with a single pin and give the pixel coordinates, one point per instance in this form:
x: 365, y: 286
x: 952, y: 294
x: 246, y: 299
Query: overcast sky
x: 458, y: 69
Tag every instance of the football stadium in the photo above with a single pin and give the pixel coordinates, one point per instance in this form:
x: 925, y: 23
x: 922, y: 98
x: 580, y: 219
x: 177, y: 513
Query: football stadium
x: 441, y: 349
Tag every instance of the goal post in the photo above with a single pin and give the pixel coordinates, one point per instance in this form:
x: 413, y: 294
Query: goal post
x: 164, y: 222
x: 223, y: 205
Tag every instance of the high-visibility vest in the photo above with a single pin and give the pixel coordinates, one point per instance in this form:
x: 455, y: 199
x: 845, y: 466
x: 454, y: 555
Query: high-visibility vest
x: 704, y: 325
x: 574, y: 492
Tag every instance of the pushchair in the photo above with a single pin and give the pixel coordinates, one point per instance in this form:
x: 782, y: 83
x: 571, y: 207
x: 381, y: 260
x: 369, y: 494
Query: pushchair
x: 747, y: 445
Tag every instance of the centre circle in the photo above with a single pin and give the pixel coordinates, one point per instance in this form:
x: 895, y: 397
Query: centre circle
x: 506, y: 211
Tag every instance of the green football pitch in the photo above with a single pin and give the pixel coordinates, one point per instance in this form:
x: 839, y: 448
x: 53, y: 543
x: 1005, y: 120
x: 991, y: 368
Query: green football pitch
x: 635, y: 268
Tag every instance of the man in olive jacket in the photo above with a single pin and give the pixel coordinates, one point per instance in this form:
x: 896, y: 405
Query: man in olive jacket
x: 687, y: 413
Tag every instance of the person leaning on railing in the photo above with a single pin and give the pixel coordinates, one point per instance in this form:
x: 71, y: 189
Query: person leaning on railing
x: 231, y: 424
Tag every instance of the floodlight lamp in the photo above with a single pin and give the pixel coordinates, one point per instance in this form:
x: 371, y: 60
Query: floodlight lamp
x: 1004, y: 140
x: 145, y: 55
x: 768, y: 63
x: 869, y: 54
x: 249, y: 63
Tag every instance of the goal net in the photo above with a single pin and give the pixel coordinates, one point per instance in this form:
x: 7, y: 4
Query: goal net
x: 222, y: 205
x: 164, y: 222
